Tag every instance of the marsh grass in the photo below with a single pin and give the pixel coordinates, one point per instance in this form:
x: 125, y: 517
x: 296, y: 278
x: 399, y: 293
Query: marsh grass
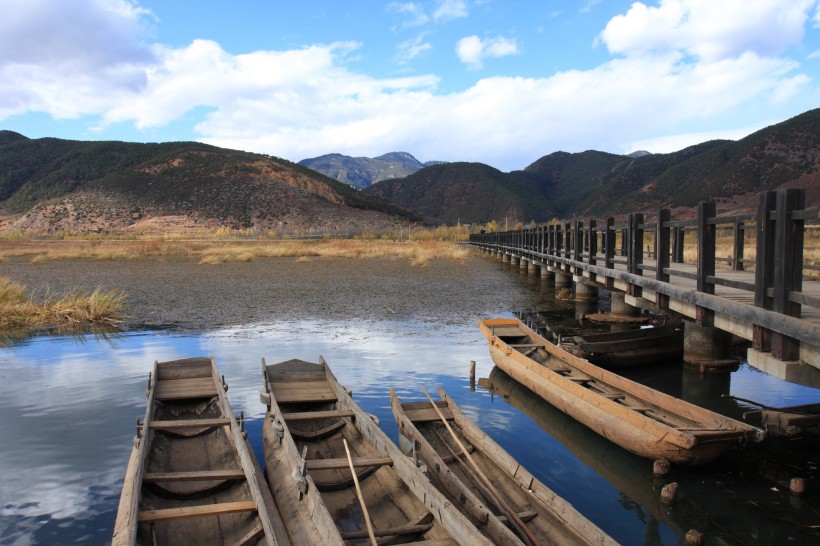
x: 218, y: 251
x: 72, y: 309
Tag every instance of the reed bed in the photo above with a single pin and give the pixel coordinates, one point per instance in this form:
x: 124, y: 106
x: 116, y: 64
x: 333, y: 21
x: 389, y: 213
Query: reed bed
x: 17, y: 310
x: 214, y: 252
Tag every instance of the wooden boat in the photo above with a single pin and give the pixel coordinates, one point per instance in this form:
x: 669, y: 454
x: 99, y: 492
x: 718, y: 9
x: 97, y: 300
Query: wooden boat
x: 640, y: 419
x: 617, y: 350
x: 788, y: 421
x: 192, y: 477
x: 542, y: 516
x: 313, y: 434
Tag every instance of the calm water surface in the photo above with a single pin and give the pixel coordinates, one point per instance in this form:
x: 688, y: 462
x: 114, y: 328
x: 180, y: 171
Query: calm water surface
x: 68, y: 407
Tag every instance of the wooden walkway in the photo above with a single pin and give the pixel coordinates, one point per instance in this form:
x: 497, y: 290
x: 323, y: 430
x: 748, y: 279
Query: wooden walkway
x: 775, y: 305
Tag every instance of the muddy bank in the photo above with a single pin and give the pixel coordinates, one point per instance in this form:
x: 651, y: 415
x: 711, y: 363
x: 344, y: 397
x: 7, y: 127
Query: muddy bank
x: 178, y: 293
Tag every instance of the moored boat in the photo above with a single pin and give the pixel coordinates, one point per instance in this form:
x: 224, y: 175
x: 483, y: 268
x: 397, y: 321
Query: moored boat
x: 192, y: 477
x: 502, y: 498
x: 313, y: 435
x: 624, y: 349
x: 640, y: 419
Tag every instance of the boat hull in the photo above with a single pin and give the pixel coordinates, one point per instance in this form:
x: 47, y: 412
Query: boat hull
x: 623, y: 425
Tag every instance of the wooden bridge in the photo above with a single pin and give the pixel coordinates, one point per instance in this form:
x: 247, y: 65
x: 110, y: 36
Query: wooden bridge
x: 770, y: 299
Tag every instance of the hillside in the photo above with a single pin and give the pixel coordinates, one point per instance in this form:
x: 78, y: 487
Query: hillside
x: 51, y: 185
x: 596, y: 183
x: 362, y: 172
x: 466, y: 192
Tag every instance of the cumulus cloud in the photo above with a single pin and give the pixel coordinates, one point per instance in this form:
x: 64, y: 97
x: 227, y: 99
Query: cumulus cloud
x: 708, y: 30
x: 472, y: 50
x: 306, y: 102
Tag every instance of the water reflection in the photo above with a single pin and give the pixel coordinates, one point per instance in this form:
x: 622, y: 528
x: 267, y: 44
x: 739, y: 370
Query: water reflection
x: 68, y: 406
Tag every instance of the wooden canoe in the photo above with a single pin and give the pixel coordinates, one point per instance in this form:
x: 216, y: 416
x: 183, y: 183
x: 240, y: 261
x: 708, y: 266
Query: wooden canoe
x: 618, y: 350
x: 310, y: 423
x: 548, y: 518
x: 638, y: 418
x: 192, y: 477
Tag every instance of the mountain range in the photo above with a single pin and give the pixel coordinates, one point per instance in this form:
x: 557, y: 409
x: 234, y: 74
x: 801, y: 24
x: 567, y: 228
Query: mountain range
x: 50, y: 185
x: 362, y: 172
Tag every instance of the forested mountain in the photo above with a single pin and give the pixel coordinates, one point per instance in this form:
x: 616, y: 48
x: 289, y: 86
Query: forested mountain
x: 595, y: 183
x: 51, y: 184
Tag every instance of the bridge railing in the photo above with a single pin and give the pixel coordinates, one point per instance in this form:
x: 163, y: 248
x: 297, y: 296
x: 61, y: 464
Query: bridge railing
x: 669, y: 247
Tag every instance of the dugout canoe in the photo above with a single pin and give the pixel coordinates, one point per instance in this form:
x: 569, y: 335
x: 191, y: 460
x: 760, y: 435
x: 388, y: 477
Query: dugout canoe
x: 625, y: 349
x: 192, y: 477
x: 545, y: 517
x: 310, y: 424
x: 640, y: 419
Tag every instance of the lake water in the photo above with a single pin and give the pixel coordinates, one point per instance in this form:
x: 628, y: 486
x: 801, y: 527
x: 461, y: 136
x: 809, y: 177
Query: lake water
x: 68, y: 407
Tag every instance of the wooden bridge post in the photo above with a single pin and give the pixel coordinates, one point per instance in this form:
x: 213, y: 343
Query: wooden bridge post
x: 706, y: 258
x: 608, y: 241
x: 662, y: 249
x: 567, y: 241
x: 738, y: 233
x: 593, y: 247
x: 788, y: 270
x: 635, y: 250
x: 578, y: 241
x: 679, y: 235
x: 764, y: 265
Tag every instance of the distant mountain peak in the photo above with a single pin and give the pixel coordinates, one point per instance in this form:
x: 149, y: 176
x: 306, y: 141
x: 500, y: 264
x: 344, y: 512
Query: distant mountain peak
x: 11, y: 136
x: 362, y: 172
x: 638, y: 153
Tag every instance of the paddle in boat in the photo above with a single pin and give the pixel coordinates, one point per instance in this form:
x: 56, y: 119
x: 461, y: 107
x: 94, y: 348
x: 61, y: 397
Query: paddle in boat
x: 499, y: 496
x: 335, y: 475
x: 638, y: 418
x: 192, y: 477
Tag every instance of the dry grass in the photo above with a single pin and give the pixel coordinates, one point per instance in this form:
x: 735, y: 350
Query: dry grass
x: 72, y: 309
x: 213, y: 251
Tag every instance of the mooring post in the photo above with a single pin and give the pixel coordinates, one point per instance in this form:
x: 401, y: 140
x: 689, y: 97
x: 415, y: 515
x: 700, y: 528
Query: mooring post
x: 472, y: 375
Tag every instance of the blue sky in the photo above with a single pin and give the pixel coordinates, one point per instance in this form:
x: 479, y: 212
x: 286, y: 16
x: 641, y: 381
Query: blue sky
x: 502, y: 82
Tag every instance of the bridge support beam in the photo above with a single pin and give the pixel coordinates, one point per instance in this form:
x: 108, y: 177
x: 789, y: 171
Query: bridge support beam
x: 545, y: 271
x: 562, y: 280
x: 507, y: 258
x: 522, y: 264
x: 707, y: 346
x: 532, y: 268
x: 619, y: 306
x: 585, y: 292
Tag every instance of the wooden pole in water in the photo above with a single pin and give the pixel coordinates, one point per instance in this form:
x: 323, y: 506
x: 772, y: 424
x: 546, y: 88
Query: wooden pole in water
x: 513, y: 518
x: 370, y: 532
x: 472, y: 375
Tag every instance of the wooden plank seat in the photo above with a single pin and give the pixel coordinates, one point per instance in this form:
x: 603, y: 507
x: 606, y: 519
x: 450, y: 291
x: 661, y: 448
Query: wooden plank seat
x: 164, y: 514
x: 525, y: 345
x: 199, y: 475
x: 358, y: 462
x: 303, y: 391
x: 423, y: 415
x: 308, y: 415
x: 181, y: 389
x: 189, y: 423
x: 318, y: 434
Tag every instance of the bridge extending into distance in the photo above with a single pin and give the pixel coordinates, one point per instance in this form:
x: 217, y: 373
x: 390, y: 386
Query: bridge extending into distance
x: 671, y: 266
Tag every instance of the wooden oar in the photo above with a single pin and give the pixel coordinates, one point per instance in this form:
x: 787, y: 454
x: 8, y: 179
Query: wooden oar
x: 370, y: 532
x: 512, y: 516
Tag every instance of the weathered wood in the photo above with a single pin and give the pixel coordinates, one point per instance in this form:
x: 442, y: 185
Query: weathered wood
x: 395, y: 487
x: 180, y: 389
x: 175, y: 424
x: 550, y: 518
x: 641, y: 433
x: 706, y: 247
x: 201, y: 475
x: 788, y: 271
x: 310, y: 415
x: 148, y: 516
x: 389, y: 531
x: 358, y: 462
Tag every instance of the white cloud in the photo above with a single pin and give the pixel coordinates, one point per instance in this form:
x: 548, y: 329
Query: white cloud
x: 708, y: 30
x: 472, y: 50
x: 450, y: 9
x: 674, y: 143
x: 412, y: 48
x: 311, y: 101
x: 413, y: 12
